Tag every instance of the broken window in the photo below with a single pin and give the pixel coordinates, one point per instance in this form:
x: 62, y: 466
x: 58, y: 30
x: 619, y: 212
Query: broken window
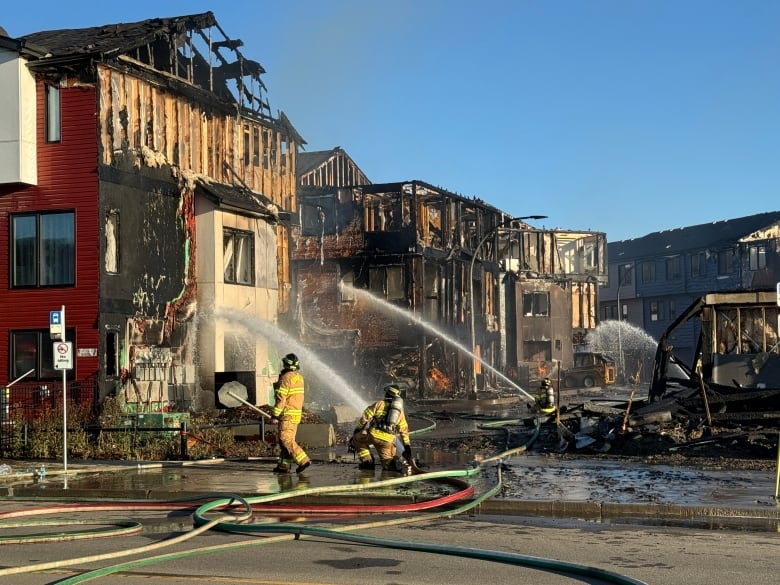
x: 382, y: 214
x: 488, y: 292
x: 396, y: 291
x: 536, y: 304
x: 256, y: 146
x: 746, y: 330
x: 346, y: 290
x: 112, y: 242
x: 376, y: 281
x: 43, y: 249
x: 434, y: 226
x: 238, y: 256
x: 111, y: 354
x: 247, y: 145
x: 590, y: 255
x: 537, y: 351
x: 318, y: 216
x: 53, y: 114
x: 387, y: 282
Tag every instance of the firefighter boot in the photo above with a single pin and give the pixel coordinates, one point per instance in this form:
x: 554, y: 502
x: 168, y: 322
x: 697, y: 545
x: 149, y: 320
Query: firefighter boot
x: 399, y: 466
x: 367, y: 464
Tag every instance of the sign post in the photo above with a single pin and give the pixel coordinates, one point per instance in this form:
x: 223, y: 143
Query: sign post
x: 63, y: 360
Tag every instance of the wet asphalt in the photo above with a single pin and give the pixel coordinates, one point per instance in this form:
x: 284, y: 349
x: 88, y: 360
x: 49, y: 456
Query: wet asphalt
x: 533, y: 485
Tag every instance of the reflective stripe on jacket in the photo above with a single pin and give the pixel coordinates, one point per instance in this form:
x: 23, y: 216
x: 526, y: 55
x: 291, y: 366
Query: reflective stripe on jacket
x: 374, y: 415
x: 288, y: 395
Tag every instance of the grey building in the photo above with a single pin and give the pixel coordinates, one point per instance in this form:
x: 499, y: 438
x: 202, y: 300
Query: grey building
x: 654, y: 278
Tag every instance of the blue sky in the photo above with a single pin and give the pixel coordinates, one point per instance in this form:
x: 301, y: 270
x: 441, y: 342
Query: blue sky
x: 619, y: 116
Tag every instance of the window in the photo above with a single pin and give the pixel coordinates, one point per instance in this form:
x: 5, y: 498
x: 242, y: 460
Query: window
x: 757, y: 257
x: 698, y: 266
x: 34, y: 350
x: 653, y: 310
x: 53, y: 114
x: 624, y: 275
x: 673, y: 268
x: 43, y: 249
x: 318, y: 216
x: 648, y: 272
x: 672, y: 309
x: 112, y: 242
x: 112, y: 352
x: 238, y: 256
x: 347, y: 288
x: 536, y: 304
x: 726, y: 261
x: 388, y: 282
x: 256, y: 146
x: 247, y: 146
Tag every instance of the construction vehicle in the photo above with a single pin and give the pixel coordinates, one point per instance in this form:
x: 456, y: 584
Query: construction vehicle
x: 590, y: 370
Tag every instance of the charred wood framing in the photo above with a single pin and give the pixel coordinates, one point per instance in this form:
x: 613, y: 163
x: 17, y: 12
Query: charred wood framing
x: 410, y: 244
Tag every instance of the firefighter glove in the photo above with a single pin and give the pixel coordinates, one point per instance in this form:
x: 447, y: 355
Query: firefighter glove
x: 407, y: 453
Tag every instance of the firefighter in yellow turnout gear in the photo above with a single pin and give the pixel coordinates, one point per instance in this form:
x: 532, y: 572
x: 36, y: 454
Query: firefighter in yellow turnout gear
x: 379, y: 425
x: 545, y: 397
x: 287, y: 412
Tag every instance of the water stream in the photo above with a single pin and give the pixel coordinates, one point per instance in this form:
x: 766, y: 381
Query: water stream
x: 310, y: 361
x: 389, y: 307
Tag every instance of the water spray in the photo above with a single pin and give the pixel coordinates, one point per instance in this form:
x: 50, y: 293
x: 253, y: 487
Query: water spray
x: 260, y: 327
x: 433, y: 329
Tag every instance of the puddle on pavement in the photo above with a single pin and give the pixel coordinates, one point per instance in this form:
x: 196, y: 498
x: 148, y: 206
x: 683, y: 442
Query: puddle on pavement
x: 536, y: 477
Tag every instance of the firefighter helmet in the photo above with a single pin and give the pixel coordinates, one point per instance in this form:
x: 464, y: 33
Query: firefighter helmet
x: 546, y: 383
x: 290, y: 361
x: 392, y: 391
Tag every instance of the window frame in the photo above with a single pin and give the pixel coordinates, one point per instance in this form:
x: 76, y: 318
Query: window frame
x: 36, y: 273
x: 674, y: 268
x: 757, y: 257
x: 536, y: 303
x: 44, y: 348
x: 726, y: 261
x: 53, y: 114
x: 648, y: 272
x: 698, y: 265
x: 230, y: 270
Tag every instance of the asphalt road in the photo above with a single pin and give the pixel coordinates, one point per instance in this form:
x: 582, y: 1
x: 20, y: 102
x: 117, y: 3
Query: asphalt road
x: 654, y: 555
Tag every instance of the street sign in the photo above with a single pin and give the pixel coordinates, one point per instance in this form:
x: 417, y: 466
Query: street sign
x: 63, y: 355
x: 55, y: 324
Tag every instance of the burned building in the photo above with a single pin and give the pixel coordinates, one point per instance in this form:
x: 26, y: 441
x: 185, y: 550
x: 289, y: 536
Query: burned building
x: 385, y: 277
x: 144, y: 185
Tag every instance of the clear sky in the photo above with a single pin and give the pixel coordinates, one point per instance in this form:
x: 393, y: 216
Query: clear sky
x: 619, y: 116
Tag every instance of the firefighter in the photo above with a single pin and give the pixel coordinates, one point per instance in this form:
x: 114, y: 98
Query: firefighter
x: 545, y: 398
x: 379, y: 426
x: 287, y: 412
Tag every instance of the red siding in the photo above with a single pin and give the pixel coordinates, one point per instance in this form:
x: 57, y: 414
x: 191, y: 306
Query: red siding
x: 67, y: 179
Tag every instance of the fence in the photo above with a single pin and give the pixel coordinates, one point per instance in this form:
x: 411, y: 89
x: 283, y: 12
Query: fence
x: 25, y: 402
